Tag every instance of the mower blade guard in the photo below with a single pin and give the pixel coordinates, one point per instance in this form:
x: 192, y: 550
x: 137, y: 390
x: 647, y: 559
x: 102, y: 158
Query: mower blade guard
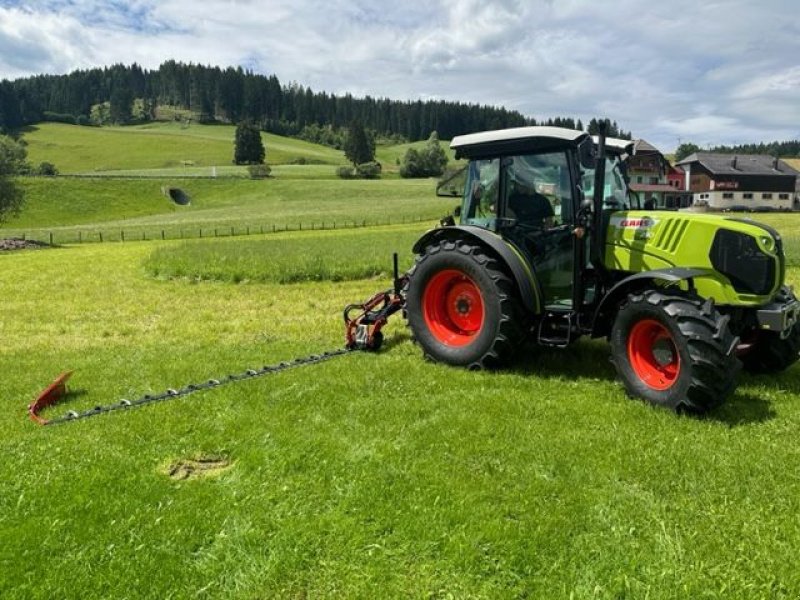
x: 53, y: 394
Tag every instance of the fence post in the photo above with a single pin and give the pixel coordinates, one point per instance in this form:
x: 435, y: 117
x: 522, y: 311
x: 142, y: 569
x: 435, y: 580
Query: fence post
x: 51, y: 238
x: 80, y: 237
x: 232, y: 234
x: 215, y: 232
x: 23, y: 237
x: 273, y: 228
x: 162, y: 234
x: 121, y: 235
x: 100, y: 235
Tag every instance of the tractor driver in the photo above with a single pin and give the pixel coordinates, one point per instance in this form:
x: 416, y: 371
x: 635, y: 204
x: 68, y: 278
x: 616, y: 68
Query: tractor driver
x: 529, y: 206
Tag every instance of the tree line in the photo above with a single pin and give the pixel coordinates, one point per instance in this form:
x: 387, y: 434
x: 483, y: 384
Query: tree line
x: 789, y: 149
x: 123, y: 93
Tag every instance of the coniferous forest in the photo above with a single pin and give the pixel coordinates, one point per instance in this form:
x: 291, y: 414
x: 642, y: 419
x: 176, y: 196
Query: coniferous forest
x: 121, y: 94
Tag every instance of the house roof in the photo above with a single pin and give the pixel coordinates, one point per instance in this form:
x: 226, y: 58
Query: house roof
x: 642, y: 147
x: 740, y: 164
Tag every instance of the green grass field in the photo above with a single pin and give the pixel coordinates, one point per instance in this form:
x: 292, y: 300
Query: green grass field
x: 67, y: 206
x: 368, y: 476
x: 372, y: 475
x: 171, y: 149
x: 75, y: 149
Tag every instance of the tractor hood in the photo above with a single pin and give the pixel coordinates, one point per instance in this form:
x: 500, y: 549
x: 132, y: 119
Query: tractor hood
x: 744, y: 259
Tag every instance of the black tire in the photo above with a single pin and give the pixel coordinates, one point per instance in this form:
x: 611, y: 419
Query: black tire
x: 771, y: 354
x: 437, y: 309
x: 674, y: 351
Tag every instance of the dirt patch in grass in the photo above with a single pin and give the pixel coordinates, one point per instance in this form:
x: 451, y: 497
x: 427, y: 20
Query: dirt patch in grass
x: 9, y: 244
x: 195, y: 468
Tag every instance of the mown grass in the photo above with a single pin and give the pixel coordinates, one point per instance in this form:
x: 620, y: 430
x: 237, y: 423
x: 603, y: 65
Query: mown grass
x: 373, y: 475
x: 321, y: 256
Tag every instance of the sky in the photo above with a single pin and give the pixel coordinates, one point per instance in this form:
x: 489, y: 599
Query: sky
x: 707, y: 72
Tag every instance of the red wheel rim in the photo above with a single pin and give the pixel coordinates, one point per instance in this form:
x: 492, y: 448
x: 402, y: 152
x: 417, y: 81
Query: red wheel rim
x: 453, y: 308
x: 653, y: 354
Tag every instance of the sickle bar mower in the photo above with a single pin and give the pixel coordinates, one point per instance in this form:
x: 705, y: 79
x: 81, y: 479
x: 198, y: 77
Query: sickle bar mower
x: 363, y: 331
x: 363, y: 324
x: 51, y: 395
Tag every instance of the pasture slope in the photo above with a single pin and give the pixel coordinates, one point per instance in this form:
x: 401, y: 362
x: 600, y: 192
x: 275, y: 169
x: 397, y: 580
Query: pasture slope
x: 372, y: 475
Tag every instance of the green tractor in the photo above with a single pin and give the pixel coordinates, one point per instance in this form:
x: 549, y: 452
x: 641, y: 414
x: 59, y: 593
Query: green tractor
x: 550, y: 246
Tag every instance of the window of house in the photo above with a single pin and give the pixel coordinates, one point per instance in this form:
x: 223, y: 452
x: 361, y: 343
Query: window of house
x: 783, y: 196
x: 747, y: 196
x: 654, y: 180
x: 639, y: 179
x: 766, y: 196
x: 727, y: 196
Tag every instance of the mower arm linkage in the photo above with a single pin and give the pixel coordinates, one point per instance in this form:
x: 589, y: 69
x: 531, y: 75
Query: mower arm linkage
x: 363, y: 331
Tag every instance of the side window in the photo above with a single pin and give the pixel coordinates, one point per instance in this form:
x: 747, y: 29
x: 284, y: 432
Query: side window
x: 481, y: 193
x: 615, y: 192
x: 537, y: 189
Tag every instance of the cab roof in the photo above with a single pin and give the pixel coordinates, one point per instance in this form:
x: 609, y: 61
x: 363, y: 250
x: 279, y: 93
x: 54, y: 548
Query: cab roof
x: 513, y: 140
x: 526, y: 139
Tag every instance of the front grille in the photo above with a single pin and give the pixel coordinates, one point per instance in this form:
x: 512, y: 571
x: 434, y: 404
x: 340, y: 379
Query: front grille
x: 738, y: 257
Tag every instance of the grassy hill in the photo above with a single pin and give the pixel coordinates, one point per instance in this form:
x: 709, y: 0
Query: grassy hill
x: 125, y: 169
x: 75, y: 149
x: 165, y: 148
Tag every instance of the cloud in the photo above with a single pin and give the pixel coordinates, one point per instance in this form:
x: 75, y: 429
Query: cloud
x: 713, y: 72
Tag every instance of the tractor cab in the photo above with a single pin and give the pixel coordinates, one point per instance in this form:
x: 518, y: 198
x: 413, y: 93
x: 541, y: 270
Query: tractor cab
x: 534, y: 186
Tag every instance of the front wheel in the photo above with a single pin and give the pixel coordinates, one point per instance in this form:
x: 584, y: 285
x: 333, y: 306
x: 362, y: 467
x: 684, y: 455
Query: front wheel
x: 674, y: 351
x: 462, y: 308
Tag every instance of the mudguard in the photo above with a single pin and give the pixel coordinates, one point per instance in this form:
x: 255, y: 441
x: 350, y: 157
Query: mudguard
x: 604, y: 317
x: 519, y: 268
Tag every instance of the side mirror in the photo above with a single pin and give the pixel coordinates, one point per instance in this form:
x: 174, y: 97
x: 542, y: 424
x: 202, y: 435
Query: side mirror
x: 587, y: 156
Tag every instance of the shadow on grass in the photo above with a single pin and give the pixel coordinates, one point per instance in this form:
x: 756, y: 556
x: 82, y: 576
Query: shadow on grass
x: 742, y: 409
x: 395, y: 339
x: 582, y: 360
x: 591, y: 360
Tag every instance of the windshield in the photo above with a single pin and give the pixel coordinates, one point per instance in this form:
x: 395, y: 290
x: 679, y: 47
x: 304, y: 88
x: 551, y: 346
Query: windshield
x: 615, y: 190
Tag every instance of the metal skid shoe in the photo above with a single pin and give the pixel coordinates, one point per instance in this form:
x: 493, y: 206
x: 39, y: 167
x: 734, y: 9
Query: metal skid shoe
x: 363, y: 331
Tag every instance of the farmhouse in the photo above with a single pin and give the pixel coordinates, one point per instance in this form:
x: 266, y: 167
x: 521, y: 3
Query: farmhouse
x: 654, y: 179
x: 740, y: 182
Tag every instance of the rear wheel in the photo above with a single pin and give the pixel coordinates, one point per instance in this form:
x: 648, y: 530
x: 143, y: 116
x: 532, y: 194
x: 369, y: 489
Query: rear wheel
x: 462, y: 309
x: 674, y: 351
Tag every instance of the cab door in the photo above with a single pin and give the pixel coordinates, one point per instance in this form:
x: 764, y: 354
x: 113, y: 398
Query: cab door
x: 538, y: 214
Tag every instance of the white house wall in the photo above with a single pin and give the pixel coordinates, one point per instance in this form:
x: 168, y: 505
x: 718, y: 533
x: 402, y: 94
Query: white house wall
x: 720, y: 200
